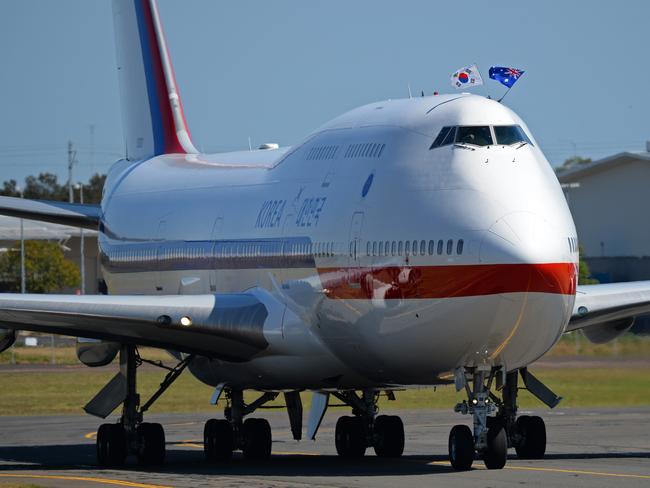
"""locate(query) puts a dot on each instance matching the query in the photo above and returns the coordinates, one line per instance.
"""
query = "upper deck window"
(510, 134)
(475, 135)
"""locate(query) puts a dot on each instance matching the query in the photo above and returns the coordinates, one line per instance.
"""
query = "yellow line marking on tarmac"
(91, 435)
(196, 445)
(105, 481)
(559, 470)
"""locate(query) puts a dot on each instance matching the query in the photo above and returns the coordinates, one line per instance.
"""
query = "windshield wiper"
(462, 145)
(521, 144)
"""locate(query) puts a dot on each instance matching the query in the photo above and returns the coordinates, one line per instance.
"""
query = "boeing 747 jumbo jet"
(423, 241)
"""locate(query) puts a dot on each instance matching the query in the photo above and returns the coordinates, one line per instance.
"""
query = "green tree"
(46, 268)
(584, 274)
(46, 186)
(571, 162)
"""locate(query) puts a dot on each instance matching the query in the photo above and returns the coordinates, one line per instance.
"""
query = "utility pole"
(82, 260)
(72, 154)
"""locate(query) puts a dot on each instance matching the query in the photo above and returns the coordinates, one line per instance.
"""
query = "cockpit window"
(510, 134)
(476, 135)
(441, 137)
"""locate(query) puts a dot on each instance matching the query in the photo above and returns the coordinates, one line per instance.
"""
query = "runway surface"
(592, 447)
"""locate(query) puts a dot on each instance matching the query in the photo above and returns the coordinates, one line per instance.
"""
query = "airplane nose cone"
(523, 238)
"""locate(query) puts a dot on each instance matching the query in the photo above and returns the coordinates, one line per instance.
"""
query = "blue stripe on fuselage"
(150, 76)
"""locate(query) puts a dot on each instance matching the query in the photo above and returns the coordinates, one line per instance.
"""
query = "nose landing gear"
(496, 426)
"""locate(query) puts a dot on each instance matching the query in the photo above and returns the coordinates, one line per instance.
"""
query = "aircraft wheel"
(111, 445)
(218, 442)
(497, 449)
(389, 436)
(461, 447)
(350, 437)
(533, 437)
(257, 439)
(151, 439)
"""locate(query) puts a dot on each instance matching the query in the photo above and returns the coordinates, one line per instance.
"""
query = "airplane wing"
(225, 326)
(73, 214)
(606, 311)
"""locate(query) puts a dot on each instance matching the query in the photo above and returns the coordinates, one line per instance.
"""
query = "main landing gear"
(354, 434)
(252, 436)
(496, 426)
(130, 435)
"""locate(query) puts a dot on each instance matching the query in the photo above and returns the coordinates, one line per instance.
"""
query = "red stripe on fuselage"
(448, 281)
(171, 143)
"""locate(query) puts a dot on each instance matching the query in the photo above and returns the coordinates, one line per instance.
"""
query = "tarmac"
(586, 447)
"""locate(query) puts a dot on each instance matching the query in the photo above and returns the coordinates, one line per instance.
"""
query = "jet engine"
(7, 338)
(608, 331)
(93, 352)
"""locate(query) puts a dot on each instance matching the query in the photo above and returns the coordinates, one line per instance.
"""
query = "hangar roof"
(581, 170)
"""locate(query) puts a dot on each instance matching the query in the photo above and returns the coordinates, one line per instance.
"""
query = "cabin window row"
(322, 153)
(415, 247)
(366, 150)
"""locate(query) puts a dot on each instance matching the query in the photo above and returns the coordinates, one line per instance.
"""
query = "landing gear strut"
(496, 426)
(353, 435)
(527, 434)
(252, 436)
(131, 435)
(489, 438)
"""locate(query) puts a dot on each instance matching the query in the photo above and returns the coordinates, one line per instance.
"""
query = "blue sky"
(275, 70)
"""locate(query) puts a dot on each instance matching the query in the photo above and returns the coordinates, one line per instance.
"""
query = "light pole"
(82, 260)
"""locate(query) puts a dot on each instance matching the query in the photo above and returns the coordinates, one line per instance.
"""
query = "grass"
(65, 355)
(573, 344)
(62, 392)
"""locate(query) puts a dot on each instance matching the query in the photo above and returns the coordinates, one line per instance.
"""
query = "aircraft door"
(354, 250)
(354, 241)
(213, 258)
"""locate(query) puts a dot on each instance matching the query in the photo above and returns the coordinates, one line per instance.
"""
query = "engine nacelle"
(7, 338)
(93, 352)
(608, 331)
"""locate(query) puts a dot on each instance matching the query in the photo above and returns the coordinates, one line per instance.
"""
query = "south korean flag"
(466, 77)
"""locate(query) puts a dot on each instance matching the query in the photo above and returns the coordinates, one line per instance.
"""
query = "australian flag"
(505, 76)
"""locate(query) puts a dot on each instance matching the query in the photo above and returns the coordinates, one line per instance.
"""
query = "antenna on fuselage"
(250, 144)
(409, 87)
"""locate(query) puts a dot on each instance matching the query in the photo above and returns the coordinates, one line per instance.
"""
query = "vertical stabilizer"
(152, 113)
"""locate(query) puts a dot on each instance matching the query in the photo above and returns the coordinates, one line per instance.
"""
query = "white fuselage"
(323, 227)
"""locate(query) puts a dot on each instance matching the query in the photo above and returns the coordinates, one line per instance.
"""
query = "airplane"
(420, 241)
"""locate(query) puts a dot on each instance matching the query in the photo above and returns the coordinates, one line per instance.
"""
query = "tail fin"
(152, 113)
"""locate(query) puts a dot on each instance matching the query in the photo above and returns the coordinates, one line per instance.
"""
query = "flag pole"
(504, 95)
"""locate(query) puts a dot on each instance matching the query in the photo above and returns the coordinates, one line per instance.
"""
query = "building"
(608, 202)
(68, 237)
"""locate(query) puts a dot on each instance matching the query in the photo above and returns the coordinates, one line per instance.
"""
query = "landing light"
(186, 321)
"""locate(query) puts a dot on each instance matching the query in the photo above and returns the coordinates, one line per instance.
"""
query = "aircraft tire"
(257, 439)
(389, 436)
(218, 441)
(151, 439)
(496, 454)
(111, 445)
(461, 447)
(533, 437)
(350, 437)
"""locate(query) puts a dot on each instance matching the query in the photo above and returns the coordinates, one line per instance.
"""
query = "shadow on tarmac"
(183, 461)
